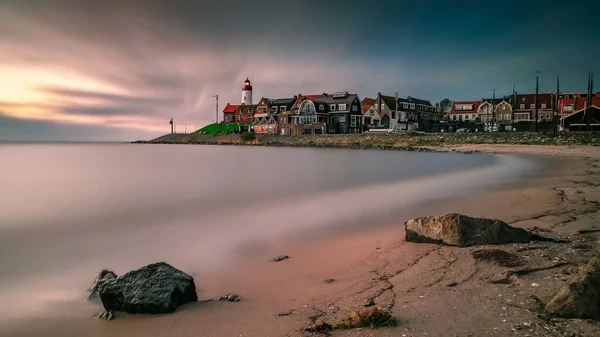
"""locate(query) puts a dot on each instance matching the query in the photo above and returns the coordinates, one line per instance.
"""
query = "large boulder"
(154, 289)
(580, 297)
(461, 230)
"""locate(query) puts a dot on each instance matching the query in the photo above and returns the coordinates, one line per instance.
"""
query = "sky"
(120, 69)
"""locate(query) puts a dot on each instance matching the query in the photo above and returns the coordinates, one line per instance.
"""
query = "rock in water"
(461, 230)
(580, 297)
(102, 277)
(154, 289)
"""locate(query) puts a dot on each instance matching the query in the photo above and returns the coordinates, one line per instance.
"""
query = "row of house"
(504, 112)
(344, 112)
(340, 112)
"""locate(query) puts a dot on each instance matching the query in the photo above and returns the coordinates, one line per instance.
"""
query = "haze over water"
(69, 210)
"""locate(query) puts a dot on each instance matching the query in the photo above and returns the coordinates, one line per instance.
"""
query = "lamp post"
(217, 114)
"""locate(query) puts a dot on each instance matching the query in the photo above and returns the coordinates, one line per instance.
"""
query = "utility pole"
(556, 111)
(514, 103)
(185, 128)
(588, 110)
(493, 108)
(537, 92)
(171, 123)
(217, 114)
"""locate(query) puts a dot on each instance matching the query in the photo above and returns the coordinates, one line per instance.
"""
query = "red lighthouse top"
(247, 85)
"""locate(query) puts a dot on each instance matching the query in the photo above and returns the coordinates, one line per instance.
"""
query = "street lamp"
(217, 114)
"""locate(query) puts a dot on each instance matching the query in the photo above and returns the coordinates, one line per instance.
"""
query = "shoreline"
(408, 279)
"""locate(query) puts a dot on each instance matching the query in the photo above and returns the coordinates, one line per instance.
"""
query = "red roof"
(367, 104)
(474, 106)
(529, 99)
(231, 108)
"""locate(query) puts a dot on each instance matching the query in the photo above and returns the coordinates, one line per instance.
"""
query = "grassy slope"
(212, 129)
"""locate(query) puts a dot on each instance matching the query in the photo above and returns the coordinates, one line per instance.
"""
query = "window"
(405, 105)
(466, 116)
(341, 107)
(412, 106)
(503, 107)
(274, 109)
(353, 121)
(342, 119)
(531, 106)
(282, 108)
(244, 98)
(332, 107)
(382, 106)
(354, 107)
(522, 106)
(543, 105)
(321, 107)
(307, 107)
(523, 99)
(568, 108)
(473, 116)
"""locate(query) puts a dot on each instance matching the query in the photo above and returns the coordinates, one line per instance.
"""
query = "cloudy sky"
(119, 69)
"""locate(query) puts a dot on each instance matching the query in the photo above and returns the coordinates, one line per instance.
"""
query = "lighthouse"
(247, 93)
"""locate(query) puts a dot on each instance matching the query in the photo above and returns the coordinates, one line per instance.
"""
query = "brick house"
(525, 107)
(229, 112)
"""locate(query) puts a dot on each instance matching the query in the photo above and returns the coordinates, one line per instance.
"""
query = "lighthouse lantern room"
(247, 93)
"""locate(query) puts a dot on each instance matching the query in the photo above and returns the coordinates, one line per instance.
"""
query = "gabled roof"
(230, 108)
(474, 106)
(418, 101)
(367, 103)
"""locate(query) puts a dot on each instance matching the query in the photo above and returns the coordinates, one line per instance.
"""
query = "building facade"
(268, 112)
(525, 107)
(464, 111)
(229, 113)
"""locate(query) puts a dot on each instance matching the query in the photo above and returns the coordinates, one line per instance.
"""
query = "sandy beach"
(432, 290)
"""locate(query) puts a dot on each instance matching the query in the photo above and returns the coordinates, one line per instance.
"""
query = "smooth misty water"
(69, 210)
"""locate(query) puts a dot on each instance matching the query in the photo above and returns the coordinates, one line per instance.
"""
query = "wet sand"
(410, 280)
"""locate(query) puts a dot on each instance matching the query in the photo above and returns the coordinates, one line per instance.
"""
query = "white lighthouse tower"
(247, 93)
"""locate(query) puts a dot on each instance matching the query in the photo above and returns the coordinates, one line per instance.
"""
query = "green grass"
(213, 129)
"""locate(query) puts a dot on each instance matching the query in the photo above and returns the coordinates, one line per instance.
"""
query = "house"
(268, 111)
(577, 121)
(569, 103)
(524, 107)
(325, 113)
(229, 112)
(244, 113)
(371, 119)
(415, 113)
(385, 107)
(405, 114)
(496, 113)
(464, 111)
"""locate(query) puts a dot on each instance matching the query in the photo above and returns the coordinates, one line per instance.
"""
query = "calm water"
(69, 210)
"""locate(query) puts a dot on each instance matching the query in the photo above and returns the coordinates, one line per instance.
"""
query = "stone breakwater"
(410, 141)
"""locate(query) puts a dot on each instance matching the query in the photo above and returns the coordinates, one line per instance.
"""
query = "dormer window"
(321, 107)
(332, 107)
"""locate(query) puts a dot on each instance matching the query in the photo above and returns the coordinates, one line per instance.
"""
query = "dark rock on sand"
(580, 297)
(461, 230)
(230, 298)
(106, 315)
(329, 280)
(154, 289)
(280, 258)
(102, 277)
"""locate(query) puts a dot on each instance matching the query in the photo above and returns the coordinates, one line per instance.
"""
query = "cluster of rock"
(395, 140)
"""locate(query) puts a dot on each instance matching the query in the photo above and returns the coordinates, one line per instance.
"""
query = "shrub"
(248, 136)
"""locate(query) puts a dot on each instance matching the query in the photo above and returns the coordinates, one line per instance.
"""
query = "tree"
(446, 105)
